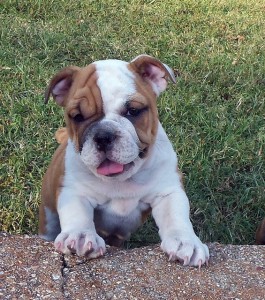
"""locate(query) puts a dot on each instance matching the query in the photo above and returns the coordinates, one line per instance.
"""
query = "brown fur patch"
(61, 135)
(81, 99)
(84, 99)
(146, 125)
(51, 186)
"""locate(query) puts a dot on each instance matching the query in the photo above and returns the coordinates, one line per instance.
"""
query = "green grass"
(214, 116)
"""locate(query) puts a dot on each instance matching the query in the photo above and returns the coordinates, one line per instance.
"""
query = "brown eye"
(78, 118)
(134, 112)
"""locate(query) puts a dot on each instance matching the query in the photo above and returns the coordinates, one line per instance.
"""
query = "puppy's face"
(110, 112)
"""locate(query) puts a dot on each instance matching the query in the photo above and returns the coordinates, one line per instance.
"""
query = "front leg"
(171, 213)
(78, 234)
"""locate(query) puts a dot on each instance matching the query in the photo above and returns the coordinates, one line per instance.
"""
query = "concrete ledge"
(31, 269)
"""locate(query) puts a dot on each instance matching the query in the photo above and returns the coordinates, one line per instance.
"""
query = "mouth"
(112, 168)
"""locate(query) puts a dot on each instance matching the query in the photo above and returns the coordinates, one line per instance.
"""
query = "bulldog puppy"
(116, 165)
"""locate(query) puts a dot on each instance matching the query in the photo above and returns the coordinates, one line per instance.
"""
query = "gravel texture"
(31, 269)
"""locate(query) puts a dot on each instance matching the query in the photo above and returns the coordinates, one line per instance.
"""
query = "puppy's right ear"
(60, 85)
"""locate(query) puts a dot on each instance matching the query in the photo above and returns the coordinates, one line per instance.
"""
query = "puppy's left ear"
(154, 71)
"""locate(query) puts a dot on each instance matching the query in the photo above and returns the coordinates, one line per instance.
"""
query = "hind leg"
(49, 224)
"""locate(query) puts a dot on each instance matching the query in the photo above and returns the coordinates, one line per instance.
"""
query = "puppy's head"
(110, 111)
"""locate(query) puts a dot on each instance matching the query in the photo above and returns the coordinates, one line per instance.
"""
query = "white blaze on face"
(116, 83)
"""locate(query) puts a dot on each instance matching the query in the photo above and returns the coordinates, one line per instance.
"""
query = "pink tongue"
(109, 167)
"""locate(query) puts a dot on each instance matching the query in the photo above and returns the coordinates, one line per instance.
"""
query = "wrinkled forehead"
(116, 83)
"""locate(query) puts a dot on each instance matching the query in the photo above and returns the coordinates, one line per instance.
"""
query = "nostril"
(104, 140)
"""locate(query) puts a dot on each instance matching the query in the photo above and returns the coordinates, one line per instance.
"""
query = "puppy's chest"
(116, 220)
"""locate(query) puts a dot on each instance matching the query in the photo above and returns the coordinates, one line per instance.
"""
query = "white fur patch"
(116, 83)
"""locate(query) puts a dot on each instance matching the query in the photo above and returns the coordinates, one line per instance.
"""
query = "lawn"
(214, 116)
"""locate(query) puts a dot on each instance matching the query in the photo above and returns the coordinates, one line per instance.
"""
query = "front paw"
(189, 250)
(83, 243)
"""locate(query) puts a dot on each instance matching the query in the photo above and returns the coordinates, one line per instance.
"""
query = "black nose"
(104, 140)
